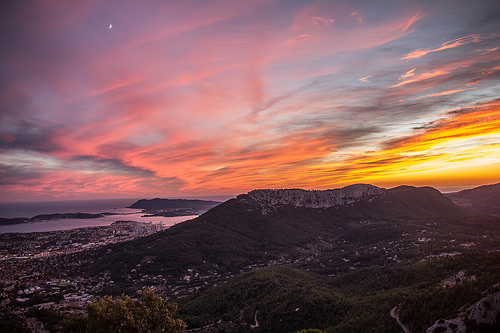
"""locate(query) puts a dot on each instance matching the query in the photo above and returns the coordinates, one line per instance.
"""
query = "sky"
(110, 99)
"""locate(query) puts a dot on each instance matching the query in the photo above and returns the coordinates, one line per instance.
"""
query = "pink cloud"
(408, 74)
(447, 45)
(218, 100)
(443, 93)
(411, 77)
(357, 17)
(320, 21)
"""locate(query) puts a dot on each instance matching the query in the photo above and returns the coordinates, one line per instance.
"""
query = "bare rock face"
(269, 200)
(486, 312)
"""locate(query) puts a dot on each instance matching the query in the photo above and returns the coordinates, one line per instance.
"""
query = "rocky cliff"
(269, 200)
(483, 316)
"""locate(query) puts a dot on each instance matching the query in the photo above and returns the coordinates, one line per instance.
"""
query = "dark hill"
(158, 204)
(284, 299)
(279, 298)
(256, 228)
(483, 199)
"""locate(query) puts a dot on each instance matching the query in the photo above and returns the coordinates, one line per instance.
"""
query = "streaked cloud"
(444, 46)
(442, 93)
(209, 98)
(357, 17)
(408, 74)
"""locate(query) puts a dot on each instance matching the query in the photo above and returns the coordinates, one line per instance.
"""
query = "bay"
(33, 208)
(67, 224)
(115, 206)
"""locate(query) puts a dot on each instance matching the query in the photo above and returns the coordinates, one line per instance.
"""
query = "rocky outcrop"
(485, 314)
(269, 200)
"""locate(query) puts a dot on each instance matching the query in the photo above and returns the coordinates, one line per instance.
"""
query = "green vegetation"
(13, 325)
(285, 299)
(149, 314)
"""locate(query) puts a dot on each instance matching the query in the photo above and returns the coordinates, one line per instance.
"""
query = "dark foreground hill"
(483, 199)
(284, 299)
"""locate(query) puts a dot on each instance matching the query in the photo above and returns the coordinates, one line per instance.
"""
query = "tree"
(150, 314)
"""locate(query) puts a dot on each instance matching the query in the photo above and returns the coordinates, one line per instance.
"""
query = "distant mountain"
(56, 216)
(173, 207)
(483, 199)
(158, 204)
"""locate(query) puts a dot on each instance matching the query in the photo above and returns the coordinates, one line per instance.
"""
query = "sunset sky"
(109, 99)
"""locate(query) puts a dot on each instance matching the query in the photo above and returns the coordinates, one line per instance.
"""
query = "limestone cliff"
(484, 314)
(269, 200)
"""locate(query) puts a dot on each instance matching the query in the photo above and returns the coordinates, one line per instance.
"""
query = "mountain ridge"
(483, 199)
(269, 198)
(357, 201)
(241, 231)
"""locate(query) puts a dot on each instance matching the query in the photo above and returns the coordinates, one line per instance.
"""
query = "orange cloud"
(446, 143)
(212, 99)
(419, 53)
(408, 74)
(453, 143)
(411, 77)
(467, 138)
(443, 93)
(421, 77)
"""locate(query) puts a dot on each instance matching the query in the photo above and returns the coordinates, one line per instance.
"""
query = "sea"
(115, 206)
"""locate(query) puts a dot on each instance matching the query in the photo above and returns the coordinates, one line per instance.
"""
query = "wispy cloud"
(320, 21)
(420, 77)
(193, 98)
(443, 93)
(357, 17)
(419, 53)
(408, 74)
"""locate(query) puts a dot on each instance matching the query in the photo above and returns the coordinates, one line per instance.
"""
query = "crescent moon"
(110, 26)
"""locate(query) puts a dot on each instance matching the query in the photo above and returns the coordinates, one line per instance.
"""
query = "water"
(116, 206)
(30, 209)
(66, 224)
